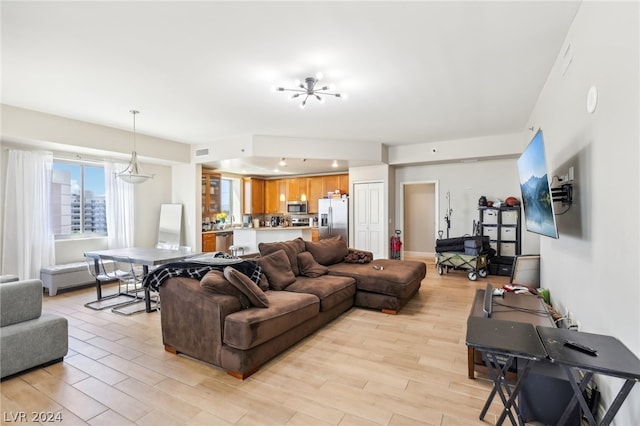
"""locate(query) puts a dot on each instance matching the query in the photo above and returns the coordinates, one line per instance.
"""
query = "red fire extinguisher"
(396, 245)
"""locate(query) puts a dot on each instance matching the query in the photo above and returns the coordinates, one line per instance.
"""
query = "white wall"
(466, 182)
(149, 196)
(26, 129)
(55, 133)
(187, 184)
(592, 269)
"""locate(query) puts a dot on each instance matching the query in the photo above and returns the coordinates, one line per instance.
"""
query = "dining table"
(144, 256)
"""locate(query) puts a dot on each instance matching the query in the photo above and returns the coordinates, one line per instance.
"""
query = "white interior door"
(368, 202)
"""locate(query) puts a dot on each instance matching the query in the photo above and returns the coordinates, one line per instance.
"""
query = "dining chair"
(105, 272)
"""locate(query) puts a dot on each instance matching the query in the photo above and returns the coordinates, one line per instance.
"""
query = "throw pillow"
(309, 267)
(291, 248)
(264, 282)
(358, 257)
(215, 282)
(247, 287)
(328, 251)
(277, 268)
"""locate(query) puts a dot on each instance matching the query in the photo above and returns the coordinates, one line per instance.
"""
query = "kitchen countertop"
(219, 231)
(276, 228)
(262, 228)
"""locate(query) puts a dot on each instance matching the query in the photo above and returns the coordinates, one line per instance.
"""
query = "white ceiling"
(201, 71)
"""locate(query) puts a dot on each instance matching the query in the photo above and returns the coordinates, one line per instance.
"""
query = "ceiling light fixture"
(133, 173)
(282, 163)
(334, 164)
(311, 88)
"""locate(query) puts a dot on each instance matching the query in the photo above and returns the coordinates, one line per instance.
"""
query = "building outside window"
(230, 199)
(78, 199)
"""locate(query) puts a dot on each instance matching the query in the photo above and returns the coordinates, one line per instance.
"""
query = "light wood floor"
(365, 368)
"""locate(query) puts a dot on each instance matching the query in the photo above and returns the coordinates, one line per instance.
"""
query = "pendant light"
(133, 173)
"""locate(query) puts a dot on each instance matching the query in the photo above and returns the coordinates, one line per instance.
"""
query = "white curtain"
(27, 241)
(120, 207)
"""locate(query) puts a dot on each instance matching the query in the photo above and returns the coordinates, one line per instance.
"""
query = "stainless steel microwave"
(297, 207)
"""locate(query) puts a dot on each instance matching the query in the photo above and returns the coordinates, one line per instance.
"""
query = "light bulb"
(334, 164)
(282, 163)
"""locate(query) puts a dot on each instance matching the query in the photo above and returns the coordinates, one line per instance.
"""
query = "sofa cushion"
(396, 277)
(331, 290)
(247, 287)
(277, 268)
(20, 301)
(309, 267)
(328, 251)
(291, 248)
(250, 327)
(215, 282)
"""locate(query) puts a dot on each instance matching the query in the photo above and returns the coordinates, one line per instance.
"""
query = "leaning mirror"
(170, 227)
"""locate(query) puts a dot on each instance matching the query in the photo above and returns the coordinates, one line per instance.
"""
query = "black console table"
(530, 343)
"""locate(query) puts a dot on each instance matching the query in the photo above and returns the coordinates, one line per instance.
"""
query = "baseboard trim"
(419, 254)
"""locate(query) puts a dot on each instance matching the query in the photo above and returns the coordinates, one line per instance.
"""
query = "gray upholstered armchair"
(28, 337)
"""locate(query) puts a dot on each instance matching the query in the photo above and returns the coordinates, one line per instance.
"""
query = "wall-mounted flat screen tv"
(535, 186)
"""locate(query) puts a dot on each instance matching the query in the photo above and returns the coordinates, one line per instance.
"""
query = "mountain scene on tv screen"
(538, 209)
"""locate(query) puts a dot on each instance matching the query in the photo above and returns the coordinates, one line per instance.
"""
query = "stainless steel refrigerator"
(333, 218)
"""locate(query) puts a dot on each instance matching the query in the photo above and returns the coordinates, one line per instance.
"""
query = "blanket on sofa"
(198, 270)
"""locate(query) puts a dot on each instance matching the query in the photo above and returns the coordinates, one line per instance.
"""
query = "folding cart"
(476, 265)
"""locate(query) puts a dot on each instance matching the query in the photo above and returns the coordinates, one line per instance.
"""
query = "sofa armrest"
(20, 301)
(193, 317)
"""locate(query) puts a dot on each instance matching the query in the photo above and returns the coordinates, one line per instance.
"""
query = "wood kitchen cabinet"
(296, 188)
(315, 192)
(211, 182)
(254, 192)
(344, 184)
(273, 189)
(209, 242)
(333, 182)
(278, 191)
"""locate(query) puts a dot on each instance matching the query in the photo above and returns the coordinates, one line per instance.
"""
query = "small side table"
(507, 340)
(613, 359)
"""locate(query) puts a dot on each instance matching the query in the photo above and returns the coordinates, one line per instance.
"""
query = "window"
(77, 199)
(230, 199)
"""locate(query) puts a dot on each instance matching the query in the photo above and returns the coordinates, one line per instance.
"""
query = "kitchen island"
(249, 238)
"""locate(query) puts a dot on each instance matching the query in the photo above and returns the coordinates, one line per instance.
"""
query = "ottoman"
(383, 284)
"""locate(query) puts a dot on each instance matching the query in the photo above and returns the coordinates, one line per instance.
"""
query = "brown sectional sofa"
(215, 325)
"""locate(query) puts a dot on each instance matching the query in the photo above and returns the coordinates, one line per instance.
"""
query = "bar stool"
(236, 250)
